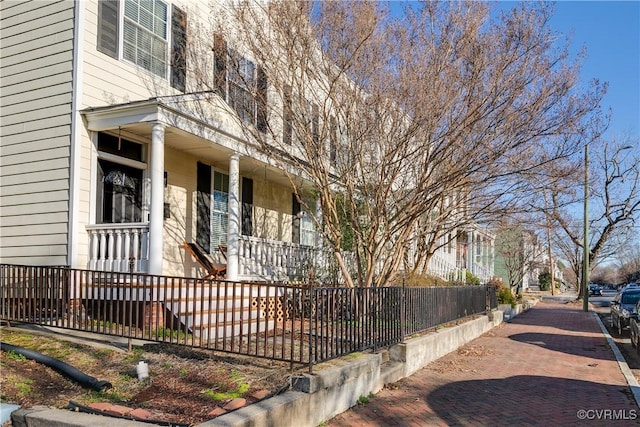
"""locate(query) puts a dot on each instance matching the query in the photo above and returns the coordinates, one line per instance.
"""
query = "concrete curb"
(622, 363)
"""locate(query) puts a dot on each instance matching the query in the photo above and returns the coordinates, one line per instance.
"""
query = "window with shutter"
(241, 83)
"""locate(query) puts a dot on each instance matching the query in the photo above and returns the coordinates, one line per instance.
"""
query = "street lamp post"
(585, 244)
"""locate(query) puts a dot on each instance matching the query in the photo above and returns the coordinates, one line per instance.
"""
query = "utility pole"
(585, 244)
(549, 254)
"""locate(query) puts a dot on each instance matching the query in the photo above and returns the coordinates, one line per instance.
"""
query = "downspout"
(73, 220)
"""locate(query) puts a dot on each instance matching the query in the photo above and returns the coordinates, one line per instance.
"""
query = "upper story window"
(143, 32)
(241, 83)
(145, 35)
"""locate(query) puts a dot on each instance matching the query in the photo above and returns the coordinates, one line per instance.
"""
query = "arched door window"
(119, 193)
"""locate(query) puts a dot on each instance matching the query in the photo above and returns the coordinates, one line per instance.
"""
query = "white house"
(108, 161)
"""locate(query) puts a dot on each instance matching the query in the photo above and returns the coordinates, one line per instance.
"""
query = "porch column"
(470, 251)
(319, 259)
(156, 205)
(233, 228)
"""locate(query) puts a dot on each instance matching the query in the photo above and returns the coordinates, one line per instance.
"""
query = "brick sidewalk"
(542, 368)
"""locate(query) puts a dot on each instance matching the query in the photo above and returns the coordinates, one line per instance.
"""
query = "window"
(303, 230)
(241, 83)
(144, 36)
(219, 209)
(307, 230)
(119, 195)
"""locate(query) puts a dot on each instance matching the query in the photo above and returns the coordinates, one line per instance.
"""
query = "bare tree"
(628, 262)
(614, 201)
(404, 129)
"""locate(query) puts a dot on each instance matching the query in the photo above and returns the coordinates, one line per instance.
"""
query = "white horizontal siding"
(36, 67)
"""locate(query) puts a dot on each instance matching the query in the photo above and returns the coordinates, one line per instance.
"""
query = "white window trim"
(167, 74)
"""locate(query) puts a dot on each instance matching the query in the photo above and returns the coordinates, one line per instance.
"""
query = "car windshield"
(630, 298)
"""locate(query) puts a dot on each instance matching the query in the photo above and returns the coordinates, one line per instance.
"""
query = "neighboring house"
(521, 258)
(110, 163)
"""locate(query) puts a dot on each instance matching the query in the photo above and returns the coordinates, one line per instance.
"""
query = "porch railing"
(300, 325)
(122, 247)
(276, 260)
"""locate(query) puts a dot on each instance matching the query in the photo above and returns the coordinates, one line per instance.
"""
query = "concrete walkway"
(549, 366)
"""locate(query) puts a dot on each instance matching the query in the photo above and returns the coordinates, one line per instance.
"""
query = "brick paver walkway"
(550, 366)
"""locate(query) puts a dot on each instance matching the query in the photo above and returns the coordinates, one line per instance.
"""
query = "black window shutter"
(203, 206)
(220, 64)
(247, 206)
(178, 49)
(287, 128)
(295, 227)
(333, 141)
(261, 101)
(315, 126)
(108, 27)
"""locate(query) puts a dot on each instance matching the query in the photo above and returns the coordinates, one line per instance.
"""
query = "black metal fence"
(300, 325)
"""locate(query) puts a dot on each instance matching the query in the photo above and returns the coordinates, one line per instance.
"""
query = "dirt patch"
(184, 384)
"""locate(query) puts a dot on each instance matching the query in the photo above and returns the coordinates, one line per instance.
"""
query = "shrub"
(544, 281)
(472, 279)
(505, 296)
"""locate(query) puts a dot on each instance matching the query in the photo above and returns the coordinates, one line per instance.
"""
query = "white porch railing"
(441, 267)
(274, 260)
(119, 247)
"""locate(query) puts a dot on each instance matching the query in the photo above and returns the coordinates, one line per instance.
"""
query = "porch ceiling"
(202, 140)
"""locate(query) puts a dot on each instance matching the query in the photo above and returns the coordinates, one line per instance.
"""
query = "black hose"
(63, 368)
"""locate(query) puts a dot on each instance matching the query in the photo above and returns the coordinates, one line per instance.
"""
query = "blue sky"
(609, 31)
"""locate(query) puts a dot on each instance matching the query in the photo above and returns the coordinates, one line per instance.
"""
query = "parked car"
(634, 328)
(595, 290)
(623, 307)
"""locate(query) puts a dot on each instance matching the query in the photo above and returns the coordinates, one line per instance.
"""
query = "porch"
(124, 248)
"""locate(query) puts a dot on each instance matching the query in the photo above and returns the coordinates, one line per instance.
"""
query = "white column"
(156, 205)
(319, 261)
(233, 228)
(470, 251)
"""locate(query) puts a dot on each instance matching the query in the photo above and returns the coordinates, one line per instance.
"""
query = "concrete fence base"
(340, 384)
(335, 387)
